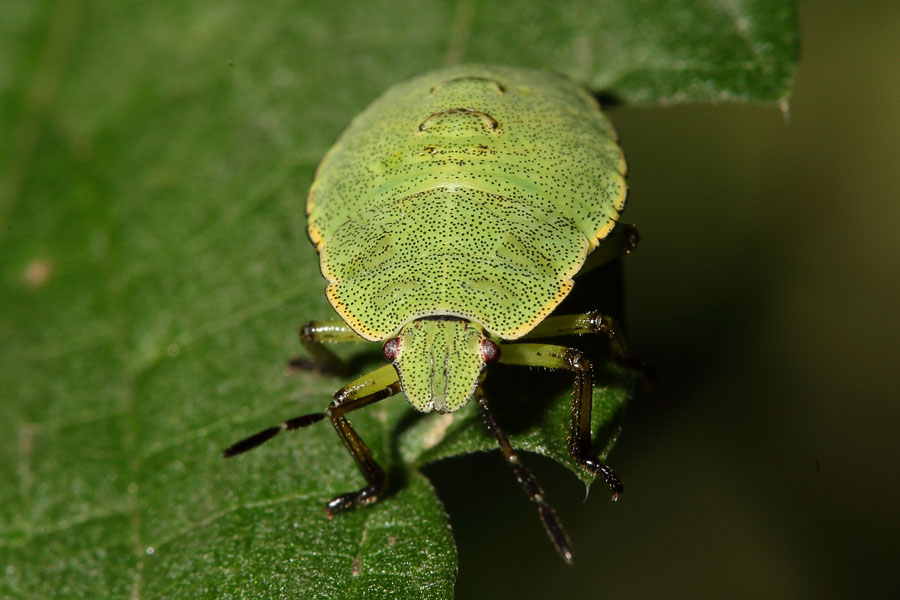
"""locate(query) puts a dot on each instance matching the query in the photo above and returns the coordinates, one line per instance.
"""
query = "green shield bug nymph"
(450, 219)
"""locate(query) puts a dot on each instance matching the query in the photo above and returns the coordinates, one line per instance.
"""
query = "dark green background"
(766, 292)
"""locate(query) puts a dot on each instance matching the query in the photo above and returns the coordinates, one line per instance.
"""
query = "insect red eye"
(390, 348)
(490, 351)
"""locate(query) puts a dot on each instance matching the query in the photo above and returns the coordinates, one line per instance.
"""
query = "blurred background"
(765, 292)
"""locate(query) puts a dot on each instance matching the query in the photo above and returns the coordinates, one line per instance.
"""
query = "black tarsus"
(375, 477)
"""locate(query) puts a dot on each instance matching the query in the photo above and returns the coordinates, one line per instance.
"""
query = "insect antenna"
(554, 528)
(265, 435)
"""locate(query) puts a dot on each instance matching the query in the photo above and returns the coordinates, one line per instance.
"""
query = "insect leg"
(529, 484)
(593, 322)
(366, 390)
(312, 336)
(551, 356)
(581, 323)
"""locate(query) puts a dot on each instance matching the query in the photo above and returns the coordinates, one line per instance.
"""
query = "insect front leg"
(313, 335)
(368, 389)
(551, 356)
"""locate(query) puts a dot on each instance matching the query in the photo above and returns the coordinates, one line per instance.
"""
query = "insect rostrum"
(450, 219)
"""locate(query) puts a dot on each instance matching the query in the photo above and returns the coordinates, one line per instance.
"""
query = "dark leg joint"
(605, 324)
(349, 393)
(601, 323)
(306, 334)
(601, 470)
(577, 362)
(364, 496)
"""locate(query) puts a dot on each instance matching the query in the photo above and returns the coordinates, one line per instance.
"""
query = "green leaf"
(535, 417)
(154, 159)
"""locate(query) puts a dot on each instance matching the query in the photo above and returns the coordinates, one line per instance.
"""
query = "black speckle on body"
(475, 191)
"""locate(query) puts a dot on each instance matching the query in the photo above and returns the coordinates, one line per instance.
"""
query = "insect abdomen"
(473, 191)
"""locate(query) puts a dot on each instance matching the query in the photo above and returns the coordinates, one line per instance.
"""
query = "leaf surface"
(154, 159)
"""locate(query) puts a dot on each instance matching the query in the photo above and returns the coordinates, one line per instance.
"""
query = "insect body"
(450, 219)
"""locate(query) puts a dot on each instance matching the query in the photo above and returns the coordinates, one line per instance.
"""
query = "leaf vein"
(209, 520)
